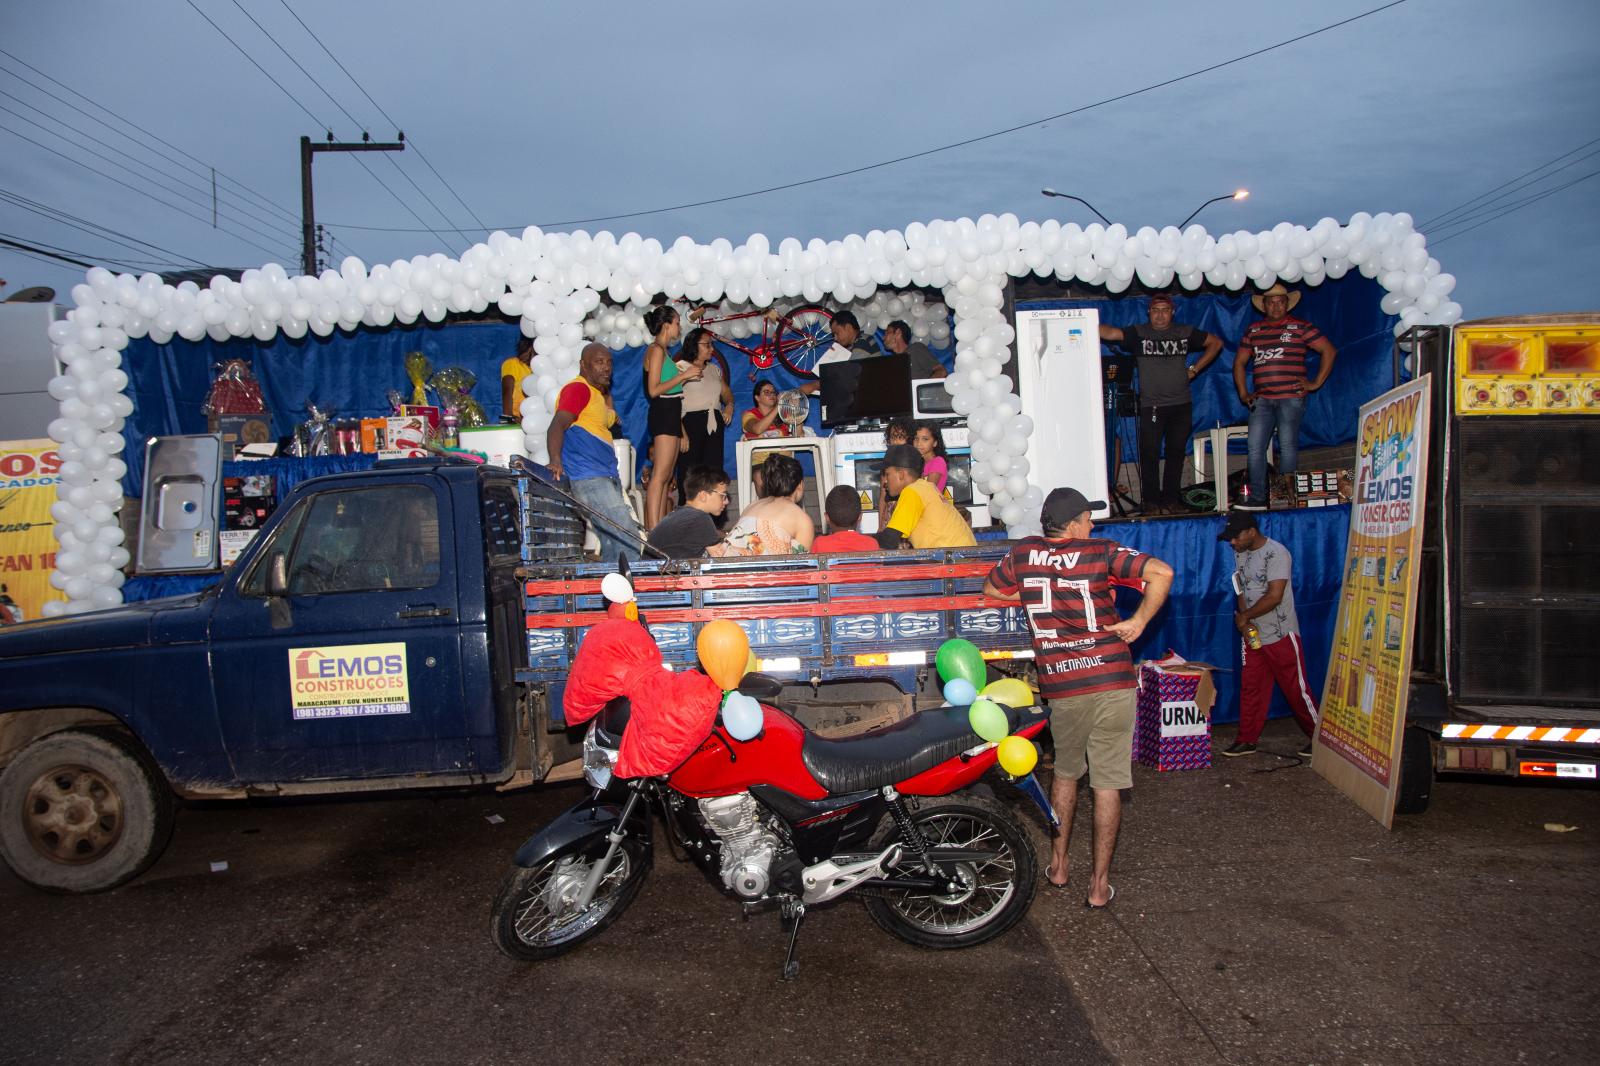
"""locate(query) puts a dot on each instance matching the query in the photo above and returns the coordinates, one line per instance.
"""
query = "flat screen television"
(859, 389)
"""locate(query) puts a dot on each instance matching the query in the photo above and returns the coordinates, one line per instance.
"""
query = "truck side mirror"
(278, 575)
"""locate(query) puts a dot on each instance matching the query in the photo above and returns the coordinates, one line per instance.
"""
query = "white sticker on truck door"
(348, 681)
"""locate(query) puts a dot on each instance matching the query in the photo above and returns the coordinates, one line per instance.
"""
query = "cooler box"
(1172, 730)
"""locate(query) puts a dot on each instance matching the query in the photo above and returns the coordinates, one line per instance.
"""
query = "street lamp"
(1081, 200)
(1237, 194)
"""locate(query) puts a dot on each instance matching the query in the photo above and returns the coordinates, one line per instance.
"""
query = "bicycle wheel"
(804, 335)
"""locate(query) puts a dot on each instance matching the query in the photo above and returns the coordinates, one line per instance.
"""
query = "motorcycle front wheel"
(534, 915)
(996, 888)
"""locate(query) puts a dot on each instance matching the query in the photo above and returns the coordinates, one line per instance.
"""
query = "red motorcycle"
(794, 819)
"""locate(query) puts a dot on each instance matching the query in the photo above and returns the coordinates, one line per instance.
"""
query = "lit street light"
(1237, 194)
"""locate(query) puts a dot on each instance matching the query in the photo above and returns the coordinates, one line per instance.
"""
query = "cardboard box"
(1172, 730)
(499, 443)
(374, 435)
(239, 430)
(426, 411)
(405, 437)
(231, 542)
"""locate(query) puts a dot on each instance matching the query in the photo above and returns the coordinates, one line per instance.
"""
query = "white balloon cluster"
(554, 282)
(998, 431)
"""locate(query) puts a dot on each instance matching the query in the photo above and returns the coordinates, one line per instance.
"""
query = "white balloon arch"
(556, 281)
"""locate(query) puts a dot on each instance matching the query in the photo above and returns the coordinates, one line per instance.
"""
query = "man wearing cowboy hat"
(1275, 349)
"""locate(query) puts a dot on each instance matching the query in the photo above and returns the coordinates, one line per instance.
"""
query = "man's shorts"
(1095, 732)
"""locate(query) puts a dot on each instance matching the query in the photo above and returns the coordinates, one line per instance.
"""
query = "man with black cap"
(1264, 599)
(1064, 581)
(922, 516)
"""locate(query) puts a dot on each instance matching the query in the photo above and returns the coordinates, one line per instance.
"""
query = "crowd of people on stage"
(691, 407)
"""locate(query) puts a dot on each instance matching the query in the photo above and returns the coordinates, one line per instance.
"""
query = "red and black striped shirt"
(1277, 352)
(1066, 588)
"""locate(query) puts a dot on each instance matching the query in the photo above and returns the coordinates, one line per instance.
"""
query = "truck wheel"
(82, 812)
(1416, 772)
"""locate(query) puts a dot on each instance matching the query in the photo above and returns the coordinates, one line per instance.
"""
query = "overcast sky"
(537, 112)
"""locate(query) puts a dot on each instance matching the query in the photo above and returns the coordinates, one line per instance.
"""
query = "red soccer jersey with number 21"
(1067, 592)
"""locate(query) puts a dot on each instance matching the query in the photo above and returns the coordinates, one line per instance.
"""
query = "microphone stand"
(1121, 503)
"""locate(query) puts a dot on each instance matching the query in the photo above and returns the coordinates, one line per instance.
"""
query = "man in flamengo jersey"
(1275, 349)
(1064, 582)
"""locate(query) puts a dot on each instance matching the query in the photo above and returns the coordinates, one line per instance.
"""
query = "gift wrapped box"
(1172, 730)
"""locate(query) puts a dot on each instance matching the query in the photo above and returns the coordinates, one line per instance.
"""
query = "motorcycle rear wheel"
(532, 915)
(999, 889)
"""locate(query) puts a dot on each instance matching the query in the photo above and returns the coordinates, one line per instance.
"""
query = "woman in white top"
(775, 524)
(707, 404)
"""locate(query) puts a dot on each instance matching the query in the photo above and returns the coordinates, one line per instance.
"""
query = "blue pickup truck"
(407, 627)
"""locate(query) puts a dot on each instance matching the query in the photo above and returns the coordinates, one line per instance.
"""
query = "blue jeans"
(1284, 416)
(604, 496)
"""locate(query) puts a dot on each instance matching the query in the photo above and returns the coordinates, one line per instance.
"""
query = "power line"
(266, 73)
(385, 114)
(353, 121)
(179, 191)
(296, 100)
(203, 191)
(47, 248)
(37, 253)
(946, 147)
(129, 122)
(135, 188)
(1441, 218)
(1519, 205)
(1498, 201)
(92, 228)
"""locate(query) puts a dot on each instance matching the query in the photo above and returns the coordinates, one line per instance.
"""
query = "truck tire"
(1416, 772)
(82, 811)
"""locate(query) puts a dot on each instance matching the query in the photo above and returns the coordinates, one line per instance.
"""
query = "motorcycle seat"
(889, 755)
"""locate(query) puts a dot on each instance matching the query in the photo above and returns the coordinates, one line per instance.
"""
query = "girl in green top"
(663, 384)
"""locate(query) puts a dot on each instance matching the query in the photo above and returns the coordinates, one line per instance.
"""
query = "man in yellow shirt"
(922, 516)
(512, 373)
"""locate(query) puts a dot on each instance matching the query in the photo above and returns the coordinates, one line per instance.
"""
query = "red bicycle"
(797, 338)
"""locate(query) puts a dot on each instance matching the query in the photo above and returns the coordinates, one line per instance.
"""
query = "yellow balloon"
(750, 664)
(1009, 691)
(724, 650)
(1018, 756)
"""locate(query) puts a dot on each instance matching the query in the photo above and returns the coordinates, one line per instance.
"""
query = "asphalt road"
(1260, 917)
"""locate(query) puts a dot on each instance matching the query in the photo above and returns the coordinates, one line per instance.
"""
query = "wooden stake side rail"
(852, 574)
(827, 609)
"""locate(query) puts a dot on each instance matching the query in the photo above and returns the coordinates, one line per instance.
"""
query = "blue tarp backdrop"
(351, 375)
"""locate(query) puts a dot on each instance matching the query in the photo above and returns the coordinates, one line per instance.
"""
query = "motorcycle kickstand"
(792, 915)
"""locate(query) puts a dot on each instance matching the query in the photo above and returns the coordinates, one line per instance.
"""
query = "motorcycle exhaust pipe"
(828, 879)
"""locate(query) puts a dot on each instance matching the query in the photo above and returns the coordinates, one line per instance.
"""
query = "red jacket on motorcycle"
(672, 712)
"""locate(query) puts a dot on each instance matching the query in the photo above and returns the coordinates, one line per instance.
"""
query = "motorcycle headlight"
(598, 760)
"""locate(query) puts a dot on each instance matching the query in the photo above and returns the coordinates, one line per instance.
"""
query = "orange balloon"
(724, 650)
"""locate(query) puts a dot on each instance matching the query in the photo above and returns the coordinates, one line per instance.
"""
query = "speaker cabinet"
(1525, 492)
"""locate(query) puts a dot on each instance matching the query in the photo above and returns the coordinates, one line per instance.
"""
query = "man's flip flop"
(1051, 883)
(1102, 906)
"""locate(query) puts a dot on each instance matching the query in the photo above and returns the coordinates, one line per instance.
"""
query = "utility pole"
(308, 220)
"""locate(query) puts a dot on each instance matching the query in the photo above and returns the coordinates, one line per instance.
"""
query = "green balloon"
(961, 658)
(988, 720)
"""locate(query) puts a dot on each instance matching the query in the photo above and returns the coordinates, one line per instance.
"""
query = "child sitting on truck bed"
(843, 508)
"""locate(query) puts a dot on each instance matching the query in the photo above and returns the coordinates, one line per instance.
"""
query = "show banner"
(29, 471)
(1369, 671)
